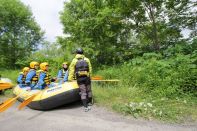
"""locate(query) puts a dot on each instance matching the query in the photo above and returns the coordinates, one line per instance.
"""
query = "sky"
(46, 13)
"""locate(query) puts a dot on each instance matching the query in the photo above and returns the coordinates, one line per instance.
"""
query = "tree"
(113, 31)
(51, 53)
(95, 26)
(158, 23)
(19, 33)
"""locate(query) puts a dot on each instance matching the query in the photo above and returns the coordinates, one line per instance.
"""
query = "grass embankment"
(152, 87)
(12, 75)
(135, 102)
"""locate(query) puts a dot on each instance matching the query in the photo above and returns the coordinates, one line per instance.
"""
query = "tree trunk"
(151, 13)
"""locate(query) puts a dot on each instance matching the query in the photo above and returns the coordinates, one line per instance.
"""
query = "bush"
(158, 75)
(152, 86)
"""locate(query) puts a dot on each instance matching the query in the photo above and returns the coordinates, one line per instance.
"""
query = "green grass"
(152, 87)
(11, 74)
(132, 101)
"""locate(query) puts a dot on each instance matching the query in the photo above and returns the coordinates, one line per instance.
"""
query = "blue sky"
(46, 13)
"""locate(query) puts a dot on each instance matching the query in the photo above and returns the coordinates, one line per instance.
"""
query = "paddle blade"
(5, 102)
(97, 78)
(27, 101)
(8, 103)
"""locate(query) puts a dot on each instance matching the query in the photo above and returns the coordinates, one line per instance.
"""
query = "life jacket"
(47, 79)
(24, 76)
(81, 68)
(63, 73)
(35, 78)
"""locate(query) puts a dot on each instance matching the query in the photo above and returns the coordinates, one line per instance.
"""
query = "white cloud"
(46, 13)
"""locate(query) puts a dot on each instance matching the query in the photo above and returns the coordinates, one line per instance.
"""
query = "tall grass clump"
(152, 86)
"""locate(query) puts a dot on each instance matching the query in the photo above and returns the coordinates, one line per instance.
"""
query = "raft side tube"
(55, 101)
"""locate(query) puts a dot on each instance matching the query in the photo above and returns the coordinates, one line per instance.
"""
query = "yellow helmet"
(25, 69)
(33, 64)
(65, 63)
(43, 65)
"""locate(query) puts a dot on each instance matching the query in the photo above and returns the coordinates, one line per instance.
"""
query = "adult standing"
(81, 69)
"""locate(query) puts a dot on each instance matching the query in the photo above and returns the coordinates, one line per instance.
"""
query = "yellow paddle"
(8, 103)
(27, 101)
(100, 78)
(5, 101)
(97, 78)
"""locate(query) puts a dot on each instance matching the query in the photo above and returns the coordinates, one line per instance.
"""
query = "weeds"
(152, 87)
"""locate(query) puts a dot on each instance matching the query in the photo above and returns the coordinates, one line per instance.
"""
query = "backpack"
(81, 68)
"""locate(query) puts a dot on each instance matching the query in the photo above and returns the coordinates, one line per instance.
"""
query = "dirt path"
(72, 118)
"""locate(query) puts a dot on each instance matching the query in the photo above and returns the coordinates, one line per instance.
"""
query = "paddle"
(97, 78)
(28, 100)
(5, 101)
(8, 103)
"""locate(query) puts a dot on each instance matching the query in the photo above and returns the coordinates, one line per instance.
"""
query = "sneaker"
(89, 108)
(90, 104)
(86, 109)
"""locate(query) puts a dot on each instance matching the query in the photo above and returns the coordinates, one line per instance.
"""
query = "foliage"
(167, 77)
(148, 99)
(98, 26)
(116, 31)
(155, 85)
(132, 100)
(51, 53)
(11, 74)
(19, 33)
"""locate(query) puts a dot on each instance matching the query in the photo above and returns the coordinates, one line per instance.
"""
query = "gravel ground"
(73, 118)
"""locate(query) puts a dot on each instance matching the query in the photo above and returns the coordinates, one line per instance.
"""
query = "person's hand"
(28, 83)
(53, 79)
(70, 80)
(28, 88)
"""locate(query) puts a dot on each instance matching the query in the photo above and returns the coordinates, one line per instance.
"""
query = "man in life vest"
(32, 76)
(44, 78)
(63, 73)
(22, 76)
(81, 69)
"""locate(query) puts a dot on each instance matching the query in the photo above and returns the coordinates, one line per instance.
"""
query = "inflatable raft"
(5, 83)
(50, 98)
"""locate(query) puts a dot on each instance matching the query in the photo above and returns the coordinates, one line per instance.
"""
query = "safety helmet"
(65, 63)
(25, 69)
(33, 64)
(43, 65)
(79, 51)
